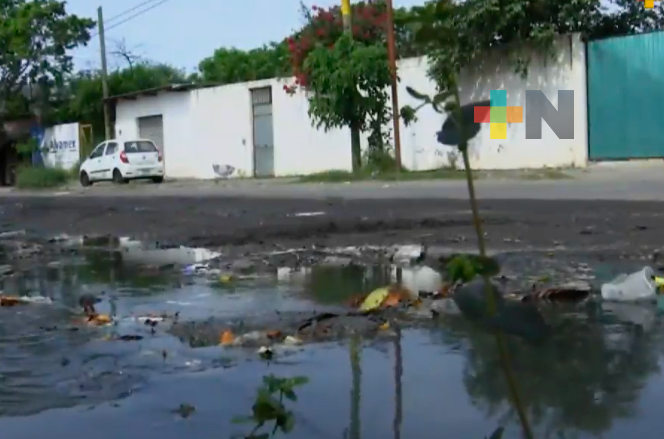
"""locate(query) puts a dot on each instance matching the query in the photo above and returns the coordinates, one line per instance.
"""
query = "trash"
(130, 337)
(292, 341)
(226, 338)
(11, 301)
(564, 293)
(184, 410)
(385, 326)
(636, 286)
(226, 278)
(407, 254)
(375, 299)
(273, 334)
(196, 269)
(266, 352)
(387, 297)
(98, 319)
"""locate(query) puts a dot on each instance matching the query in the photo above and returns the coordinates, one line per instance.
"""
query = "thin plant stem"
(491, 300)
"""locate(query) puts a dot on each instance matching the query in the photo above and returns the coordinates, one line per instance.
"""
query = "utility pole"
(104, 73)
(345, 15)
(392, 59)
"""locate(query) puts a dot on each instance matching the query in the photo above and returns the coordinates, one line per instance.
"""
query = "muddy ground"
(254, 224)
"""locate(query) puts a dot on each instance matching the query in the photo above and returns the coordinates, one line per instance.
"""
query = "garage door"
(152, 128)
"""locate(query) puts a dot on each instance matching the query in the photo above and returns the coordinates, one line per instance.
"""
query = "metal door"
(261, 103)
(152, 128)
(625, 95)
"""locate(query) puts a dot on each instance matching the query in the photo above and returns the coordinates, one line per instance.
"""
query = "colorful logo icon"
(498, 115)
(649, 4)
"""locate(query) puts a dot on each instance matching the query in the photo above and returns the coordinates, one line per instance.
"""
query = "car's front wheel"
(118, 178)
(84, 179)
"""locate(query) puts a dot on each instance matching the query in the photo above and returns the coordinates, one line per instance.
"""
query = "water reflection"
(586, 380)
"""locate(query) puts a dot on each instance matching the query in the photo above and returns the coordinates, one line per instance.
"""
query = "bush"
(41, 178)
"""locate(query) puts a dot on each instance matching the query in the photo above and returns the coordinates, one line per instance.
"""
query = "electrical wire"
(131, 17)
(128, 11)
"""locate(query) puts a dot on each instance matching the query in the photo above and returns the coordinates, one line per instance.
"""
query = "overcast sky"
(182, 32)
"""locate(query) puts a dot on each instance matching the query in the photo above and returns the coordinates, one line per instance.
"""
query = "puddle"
(599, 374)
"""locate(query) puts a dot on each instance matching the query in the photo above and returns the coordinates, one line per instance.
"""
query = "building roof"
(154, 91)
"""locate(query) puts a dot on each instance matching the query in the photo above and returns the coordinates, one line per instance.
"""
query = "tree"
(455, 34)
(81, 98)
(34, 39)
(347, 76)
(229, 66)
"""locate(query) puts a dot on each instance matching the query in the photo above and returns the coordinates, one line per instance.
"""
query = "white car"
(123, 160)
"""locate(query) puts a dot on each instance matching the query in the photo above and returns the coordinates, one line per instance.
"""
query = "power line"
(131, 17)
(128, 11)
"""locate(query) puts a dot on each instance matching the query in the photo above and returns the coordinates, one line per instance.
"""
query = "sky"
(183, 32)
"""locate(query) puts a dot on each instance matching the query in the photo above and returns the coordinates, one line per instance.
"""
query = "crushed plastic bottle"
(631, 287)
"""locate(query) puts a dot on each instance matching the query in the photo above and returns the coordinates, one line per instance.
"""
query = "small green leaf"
(299, 380)
(289, 423)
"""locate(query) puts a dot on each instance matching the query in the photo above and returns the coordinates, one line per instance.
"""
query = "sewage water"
(598, 376)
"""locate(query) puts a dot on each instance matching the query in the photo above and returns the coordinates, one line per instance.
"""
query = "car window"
(111, 148)
(99, 150)
(138, 146)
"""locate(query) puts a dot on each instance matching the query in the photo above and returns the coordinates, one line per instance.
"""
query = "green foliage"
(456, 34)
(227, 66)
(34, 39)
(464, 268)
(29, 177)
(25, 149)
(348, 84)
(82, 94)
(269, 406)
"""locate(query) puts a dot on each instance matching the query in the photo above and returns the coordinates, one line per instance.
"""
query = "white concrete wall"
(214, 125)
(566, 70)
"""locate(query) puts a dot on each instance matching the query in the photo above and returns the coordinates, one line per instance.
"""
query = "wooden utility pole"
(392, 59)
(104, 74)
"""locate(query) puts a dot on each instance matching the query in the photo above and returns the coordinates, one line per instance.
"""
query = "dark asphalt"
(222, 221)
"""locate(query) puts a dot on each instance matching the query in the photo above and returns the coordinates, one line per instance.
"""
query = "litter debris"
(266, 352)
(387, 297)
(196, 269)
(565, 293)
(11, 301)
(636, 286)
(99, 319)
(227, 338)
(309, 214)
(292, 341)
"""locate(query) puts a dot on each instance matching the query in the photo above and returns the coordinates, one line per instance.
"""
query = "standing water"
(598, 374)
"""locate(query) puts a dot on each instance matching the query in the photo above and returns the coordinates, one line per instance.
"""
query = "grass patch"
(29, 177)
(405, 175)
(438, 174)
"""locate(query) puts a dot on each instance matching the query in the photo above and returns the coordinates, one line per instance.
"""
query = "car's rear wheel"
(118, 178)
(157, 180)
(84, 179)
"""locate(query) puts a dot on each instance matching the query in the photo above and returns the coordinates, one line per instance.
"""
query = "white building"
(260, 130)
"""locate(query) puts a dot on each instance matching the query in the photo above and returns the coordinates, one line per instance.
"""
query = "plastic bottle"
(636, 286)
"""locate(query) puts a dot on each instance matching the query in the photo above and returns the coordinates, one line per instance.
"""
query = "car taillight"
(123, 157)
(161, 158)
